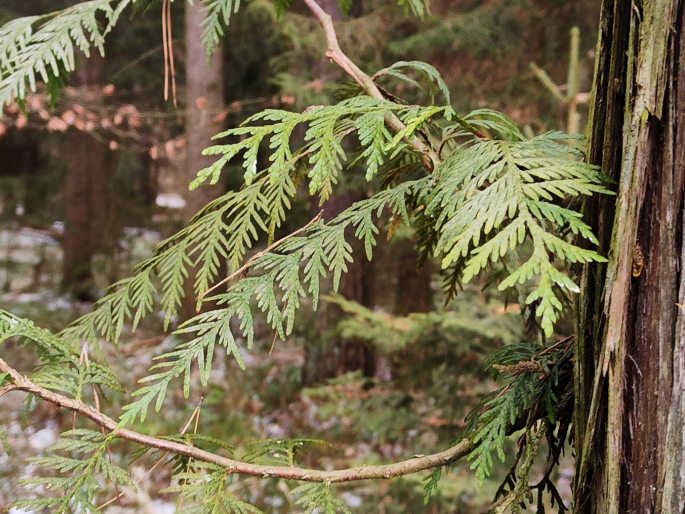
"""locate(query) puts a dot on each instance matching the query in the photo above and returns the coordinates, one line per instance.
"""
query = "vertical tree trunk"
(204, 101)
(85, 196)
(630, 344)
(330, 355)
(413, 283)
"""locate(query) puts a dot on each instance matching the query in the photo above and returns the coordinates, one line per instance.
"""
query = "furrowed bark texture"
(630, 345)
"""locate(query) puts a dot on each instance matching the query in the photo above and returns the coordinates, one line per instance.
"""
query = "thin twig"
(256, 256)
(196, 415)
(198, 411)
(166, 53)
(386, 471)
(430, 157)
(6, 389)
(170, 45)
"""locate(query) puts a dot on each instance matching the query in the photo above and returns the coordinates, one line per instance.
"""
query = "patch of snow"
(46, 298)
(29, 471)
(352, 500)
(149, 236)
(44, 438)
(59, 303)
(170, 201)
(248, 358)
(29, 237)
(275, 430)
(274, 501)
(161, 507)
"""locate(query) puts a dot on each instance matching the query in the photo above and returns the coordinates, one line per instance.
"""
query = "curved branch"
(430, 157)
(385, 471)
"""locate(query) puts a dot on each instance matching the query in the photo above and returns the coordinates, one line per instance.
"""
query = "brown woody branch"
(386, 471)
(430, 157)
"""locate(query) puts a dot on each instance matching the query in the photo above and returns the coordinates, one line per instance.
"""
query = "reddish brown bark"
(630, 358)
(85, 196)
(204, 100)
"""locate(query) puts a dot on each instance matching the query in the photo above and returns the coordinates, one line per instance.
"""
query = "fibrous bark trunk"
(630, 344)
(204, 102)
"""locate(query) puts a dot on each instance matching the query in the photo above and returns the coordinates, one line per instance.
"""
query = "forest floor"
(362, 421)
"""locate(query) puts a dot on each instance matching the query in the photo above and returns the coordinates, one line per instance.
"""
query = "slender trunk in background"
(85, 196)
(630, 344)
(332, 355)
(204, 101)
(412, 283)
(329, 355)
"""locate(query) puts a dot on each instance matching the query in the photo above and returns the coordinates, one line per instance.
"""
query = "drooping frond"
(284, 276)
(79, 461)
(326, 126)
(500, 414)
(62, 367)
(494, 197)
(399, 71)
(44, 47)
(228, 227)
(204, 489)
(374, 138)
(218, 15)
(12, 326)
(223, 231)
(430, 484)
(319, 498)
(488, 199)
(537, 379)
